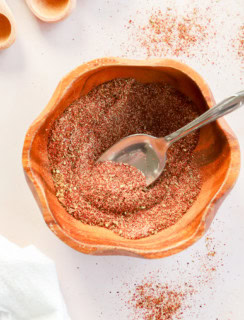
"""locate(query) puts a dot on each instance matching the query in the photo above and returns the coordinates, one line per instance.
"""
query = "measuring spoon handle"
(221, 109)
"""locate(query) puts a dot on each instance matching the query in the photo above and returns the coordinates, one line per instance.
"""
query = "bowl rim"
(107, 249)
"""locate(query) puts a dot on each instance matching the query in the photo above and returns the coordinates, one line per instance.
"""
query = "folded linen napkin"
(29, 288)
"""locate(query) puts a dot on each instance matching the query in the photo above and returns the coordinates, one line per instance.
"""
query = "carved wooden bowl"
(217, 153)
(51, 10)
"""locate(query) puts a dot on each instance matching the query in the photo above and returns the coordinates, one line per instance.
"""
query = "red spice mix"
(155, 301)
(190, 33)
(168, 33)
(160, 297)
(112, 195)
(240, 41)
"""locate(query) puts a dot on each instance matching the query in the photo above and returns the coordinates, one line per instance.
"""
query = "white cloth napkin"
(29, 288)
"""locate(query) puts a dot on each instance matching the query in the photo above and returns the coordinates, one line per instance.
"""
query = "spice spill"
(154, 301)
(169, 33)
(240, 43)
(180, 291)
(201, 34)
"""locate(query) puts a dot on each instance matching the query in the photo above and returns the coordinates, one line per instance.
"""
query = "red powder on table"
(112, 195)
(168, 33)
(240, 42)
(159, 296)
(155, 301)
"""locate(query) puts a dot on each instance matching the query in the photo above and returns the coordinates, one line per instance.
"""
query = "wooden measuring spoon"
(51, 10)
(7, 26)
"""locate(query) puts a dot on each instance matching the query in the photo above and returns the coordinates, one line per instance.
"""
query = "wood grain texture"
(217, 153)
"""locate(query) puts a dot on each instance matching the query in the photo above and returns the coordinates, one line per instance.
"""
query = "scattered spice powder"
(240, 42)
(154, 298)
(112, 195)
(154, 301)
(168, 33)
(195, 33)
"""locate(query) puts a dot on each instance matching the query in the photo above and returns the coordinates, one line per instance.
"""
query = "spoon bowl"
(7, 26)
(148, 154)
(145, 152)
(51, 10)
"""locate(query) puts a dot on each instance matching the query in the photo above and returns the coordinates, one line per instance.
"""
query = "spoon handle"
(224, 107)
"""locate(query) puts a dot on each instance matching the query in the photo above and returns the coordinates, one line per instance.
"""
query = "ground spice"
(110, 184)
(154, 301)
(111, 195)
(196, 33)
(168, 33)
(240, 44)
(159, 296)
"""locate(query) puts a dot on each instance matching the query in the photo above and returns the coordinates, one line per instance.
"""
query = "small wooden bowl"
(217, 153)
(51, 10)
(7, 26)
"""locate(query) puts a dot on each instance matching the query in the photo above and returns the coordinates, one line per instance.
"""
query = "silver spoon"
(148, 153)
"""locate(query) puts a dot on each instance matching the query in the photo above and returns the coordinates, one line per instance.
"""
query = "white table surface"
(29, 73)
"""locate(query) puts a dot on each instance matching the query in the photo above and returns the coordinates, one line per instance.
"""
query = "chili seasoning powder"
(156, 301)
(112, 195)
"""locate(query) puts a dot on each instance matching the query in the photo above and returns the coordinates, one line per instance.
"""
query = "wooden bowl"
(7, 26)
(217, 153)
(51, 10)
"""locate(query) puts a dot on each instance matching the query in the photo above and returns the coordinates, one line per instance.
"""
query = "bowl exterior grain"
(217, 154)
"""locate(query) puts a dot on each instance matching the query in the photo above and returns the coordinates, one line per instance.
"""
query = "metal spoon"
(148, 153)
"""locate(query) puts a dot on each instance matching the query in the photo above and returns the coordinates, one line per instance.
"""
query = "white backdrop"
(29, 73)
